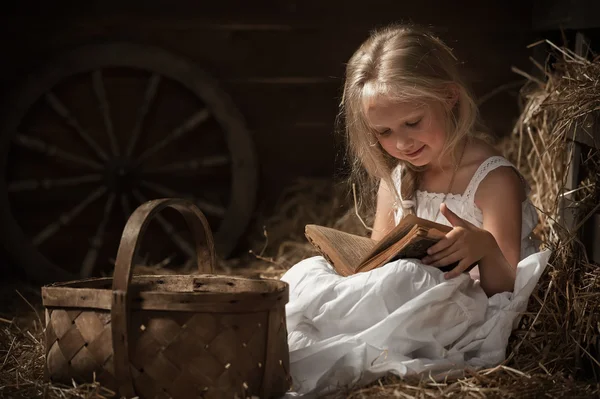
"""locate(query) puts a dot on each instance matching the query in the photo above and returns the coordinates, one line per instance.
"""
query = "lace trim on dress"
(425, 193)
(468, 196)
(487, 166)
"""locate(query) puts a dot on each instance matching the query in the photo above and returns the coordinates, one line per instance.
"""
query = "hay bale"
(560, 334)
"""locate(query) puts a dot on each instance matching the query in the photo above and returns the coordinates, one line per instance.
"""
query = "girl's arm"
(497, 246)
(384, 214)
(500, 196)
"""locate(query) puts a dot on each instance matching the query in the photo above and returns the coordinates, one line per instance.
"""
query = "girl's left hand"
(465, 243)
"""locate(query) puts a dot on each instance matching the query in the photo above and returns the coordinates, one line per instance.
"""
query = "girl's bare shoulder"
(478, 151)
(507, 178)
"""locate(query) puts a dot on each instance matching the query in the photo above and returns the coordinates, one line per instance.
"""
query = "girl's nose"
(404, 143)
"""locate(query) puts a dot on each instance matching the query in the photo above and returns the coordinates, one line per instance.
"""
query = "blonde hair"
(401, 63)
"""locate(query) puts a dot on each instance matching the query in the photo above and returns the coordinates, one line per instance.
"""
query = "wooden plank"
(588, 131)
(592, 236)
(238, 67)
(282, 107)
(509, 15)
(300, 151)
(567, 205)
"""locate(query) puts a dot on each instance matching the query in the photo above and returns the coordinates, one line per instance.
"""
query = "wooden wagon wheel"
(110, 126)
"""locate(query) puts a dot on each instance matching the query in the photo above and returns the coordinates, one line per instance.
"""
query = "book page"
(343, 250)
(412, 245)
(402, 229)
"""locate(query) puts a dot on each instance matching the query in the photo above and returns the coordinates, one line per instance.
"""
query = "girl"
(410, 125)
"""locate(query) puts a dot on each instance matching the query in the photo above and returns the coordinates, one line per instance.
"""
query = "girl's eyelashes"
(413, 124)
(387, 132)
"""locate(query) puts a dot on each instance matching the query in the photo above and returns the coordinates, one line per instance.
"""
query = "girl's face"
(407, 131)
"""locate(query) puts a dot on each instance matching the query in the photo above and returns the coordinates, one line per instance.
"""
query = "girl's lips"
(414, 154)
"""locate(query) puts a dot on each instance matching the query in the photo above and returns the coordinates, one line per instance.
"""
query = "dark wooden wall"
(282, 61)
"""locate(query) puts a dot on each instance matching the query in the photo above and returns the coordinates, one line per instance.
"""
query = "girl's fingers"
(457, 271)
(442, 244)
(448, 260)
(429, 259)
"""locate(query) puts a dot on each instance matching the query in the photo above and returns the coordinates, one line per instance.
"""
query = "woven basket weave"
(172, 336)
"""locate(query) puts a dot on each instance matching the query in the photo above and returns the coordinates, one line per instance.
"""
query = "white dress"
(403, 317)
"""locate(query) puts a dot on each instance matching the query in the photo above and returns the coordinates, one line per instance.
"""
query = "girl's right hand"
(465, 243)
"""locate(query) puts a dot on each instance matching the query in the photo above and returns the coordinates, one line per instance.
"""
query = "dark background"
(282, 61)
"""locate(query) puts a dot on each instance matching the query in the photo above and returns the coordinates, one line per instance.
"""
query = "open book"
(350, 254)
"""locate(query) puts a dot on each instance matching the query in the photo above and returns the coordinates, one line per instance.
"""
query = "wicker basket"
(172, 336)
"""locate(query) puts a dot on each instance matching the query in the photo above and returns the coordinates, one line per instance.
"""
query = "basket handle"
(130, 240)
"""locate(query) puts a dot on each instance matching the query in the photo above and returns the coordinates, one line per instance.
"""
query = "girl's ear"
(452, 95)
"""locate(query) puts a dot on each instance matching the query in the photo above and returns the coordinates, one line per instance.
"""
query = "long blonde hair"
(401, 63)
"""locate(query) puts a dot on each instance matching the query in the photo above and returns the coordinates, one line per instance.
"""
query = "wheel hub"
(120, 175)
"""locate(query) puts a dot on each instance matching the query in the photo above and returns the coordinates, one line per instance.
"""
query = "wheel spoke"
(64, 112)
(40, 146)
(89, 262)
(205, 206)
(191, 123)
(46, 184)
(192, 165)
(67, 217)
(142, 111)
(169, 229)
(100, 91)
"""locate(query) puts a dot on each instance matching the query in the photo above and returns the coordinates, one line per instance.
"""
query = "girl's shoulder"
(479, 152)
(491, 171)
(476, 154)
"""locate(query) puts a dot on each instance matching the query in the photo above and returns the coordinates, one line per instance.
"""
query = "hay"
(560, 334)
(21, 371)
(498, 382)
(279, 242)
(22, 351)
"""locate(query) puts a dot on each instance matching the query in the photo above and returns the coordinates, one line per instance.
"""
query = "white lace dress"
(403, 317)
